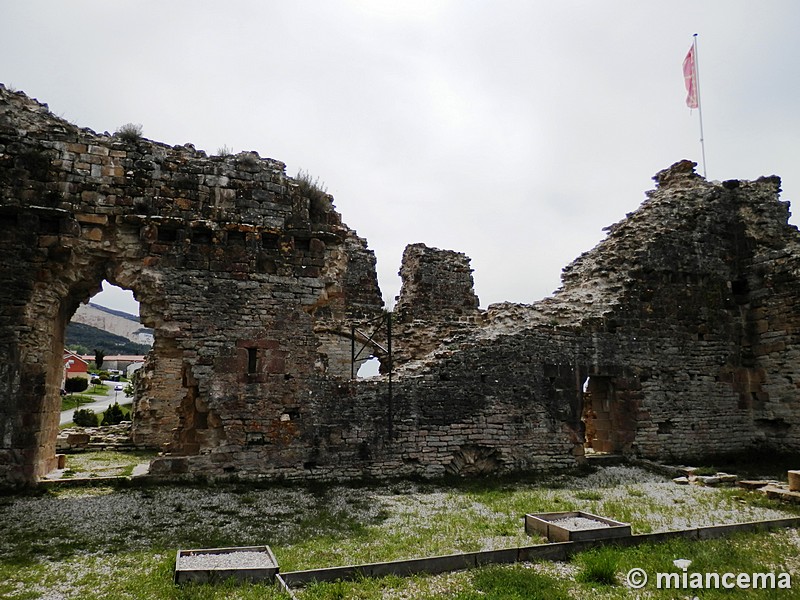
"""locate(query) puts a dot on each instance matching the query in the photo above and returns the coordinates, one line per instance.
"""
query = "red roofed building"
(74, 366)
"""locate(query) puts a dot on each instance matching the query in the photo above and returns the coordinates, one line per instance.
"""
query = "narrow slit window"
(252, 360)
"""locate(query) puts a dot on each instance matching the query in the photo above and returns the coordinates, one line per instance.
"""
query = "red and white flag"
(690, 78)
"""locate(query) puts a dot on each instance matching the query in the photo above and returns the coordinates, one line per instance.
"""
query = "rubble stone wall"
(234, 265)
(437, 301)
(694, 294)
(674, 338)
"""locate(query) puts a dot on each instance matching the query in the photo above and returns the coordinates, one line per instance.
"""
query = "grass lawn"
(105, 463)
(97, 543)
(71, 401)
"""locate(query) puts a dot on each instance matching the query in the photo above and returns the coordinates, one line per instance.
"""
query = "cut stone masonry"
(674, 338)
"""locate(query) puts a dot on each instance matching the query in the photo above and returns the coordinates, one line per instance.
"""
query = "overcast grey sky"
(513, 131)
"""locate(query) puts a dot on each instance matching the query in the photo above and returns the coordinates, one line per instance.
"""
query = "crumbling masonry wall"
(684, 320)
(674, 338)
(437, 300)
(234, 265)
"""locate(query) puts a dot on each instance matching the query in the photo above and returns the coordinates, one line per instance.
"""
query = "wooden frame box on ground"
(213, 565)
(547, 525)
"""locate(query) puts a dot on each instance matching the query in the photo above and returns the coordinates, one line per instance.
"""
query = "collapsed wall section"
(437, 301)
(696, 294)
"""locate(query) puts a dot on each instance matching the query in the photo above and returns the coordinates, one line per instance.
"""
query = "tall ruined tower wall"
(437, 301)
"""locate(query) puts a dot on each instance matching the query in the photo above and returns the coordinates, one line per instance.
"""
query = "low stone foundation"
(77, 439)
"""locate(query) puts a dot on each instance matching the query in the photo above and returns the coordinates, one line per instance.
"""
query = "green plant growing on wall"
(130, 132)
(248, 160)
(317, 193)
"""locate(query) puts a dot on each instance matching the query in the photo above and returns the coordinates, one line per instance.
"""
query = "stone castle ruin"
(675, 338)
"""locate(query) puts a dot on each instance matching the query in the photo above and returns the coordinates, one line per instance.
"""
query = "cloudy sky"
(512, 130)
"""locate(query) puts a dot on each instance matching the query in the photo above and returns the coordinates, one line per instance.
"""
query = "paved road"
(102, 402)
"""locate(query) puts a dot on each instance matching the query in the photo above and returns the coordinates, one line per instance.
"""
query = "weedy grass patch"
(100, 542)
(105, 463)
(600, 573)
(598, 566)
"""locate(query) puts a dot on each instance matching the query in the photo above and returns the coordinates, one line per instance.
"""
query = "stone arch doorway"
(52, 305)
(609, 415)
(106, 330)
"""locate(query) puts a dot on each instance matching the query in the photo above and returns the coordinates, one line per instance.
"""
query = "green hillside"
(83, 339)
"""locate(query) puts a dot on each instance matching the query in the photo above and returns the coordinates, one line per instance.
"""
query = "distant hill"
(85, 338)
(114, 321)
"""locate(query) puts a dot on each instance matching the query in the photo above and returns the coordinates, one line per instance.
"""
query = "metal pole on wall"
(353, 352)
(699, 104)
(691, 77)
(389, 349)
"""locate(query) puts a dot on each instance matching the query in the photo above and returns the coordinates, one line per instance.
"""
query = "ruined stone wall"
(437, 300)
(234, 264)
(694, 294)
(459, 414)
(675, 338)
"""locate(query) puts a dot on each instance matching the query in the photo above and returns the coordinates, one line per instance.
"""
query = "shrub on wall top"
(130, 132)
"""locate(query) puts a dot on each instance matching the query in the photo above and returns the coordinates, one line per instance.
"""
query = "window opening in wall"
(270, 241)
(8, 221)
(201, 235)
(303, 244)
(236, 238)
(740, 289)
(51, 226)
(252, 360)
(369, 368)
(166, 234)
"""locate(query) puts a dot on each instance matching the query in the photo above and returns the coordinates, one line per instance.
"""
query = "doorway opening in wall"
(104, 346)
(599, 416)
(609, 414)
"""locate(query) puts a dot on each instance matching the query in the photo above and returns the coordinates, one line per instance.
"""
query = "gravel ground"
(275, 515)
(579, 523)
(227, 560)
(98, 527)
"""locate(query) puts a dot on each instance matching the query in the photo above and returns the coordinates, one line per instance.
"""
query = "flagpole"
(696, 67)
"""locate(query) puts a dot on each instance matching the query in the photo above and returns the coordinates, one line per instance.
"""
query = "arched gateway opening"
(105, 345)
(239, 270)
(54, 298)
